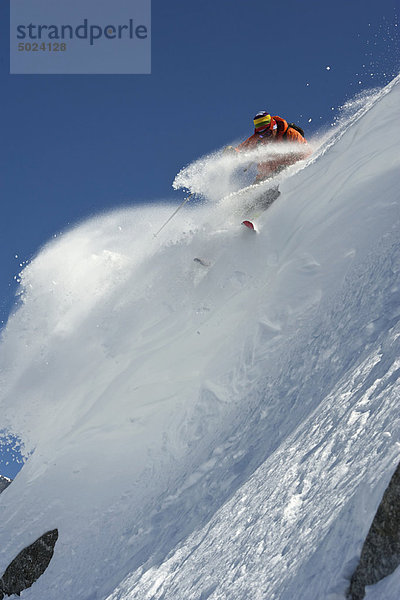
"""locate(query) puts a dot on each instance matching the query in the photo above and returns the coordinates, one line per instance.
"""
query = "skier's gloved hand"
(229, 151)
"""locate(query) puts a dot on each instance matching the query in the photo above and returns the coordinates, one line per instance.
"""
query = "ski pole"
(174, 213)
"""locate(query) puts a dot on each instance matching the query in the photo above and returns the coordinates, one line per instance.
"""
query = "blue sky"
(76, 145)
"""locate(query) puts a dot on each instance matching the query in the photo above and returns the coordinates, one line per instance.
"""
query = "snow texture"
(211, 433)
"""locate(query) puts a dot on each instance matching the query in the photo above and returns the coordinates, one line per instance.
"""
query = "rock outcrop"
(380, 554)
(4, 482)
(29, 565)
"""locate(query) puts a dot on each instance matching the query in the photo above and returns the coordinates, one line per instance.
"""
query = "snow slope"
(213, 433)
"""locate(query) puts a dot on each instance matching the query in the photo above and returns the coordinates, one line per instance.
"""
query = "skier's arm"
(229, 150)
(247, 144)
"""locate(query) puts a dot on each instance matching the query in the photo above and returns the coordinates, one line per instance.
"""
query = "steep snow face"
(221, 432)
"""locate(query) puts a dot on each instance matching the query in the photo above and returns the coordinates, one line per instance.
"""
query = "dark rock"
(29, 565)
(380, 554)
(4, 482)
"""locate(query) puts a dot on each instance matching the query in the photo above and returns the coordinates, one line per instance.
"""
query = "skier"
(268, 129)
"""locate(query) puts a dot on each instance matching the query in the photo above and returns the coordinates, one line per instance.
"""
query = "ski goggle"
(262, 122)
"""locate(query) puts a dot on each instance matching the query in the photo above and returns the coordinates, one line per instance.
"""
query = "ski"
(253, 198)
(249, 225)
(268, 198)
(202, 261)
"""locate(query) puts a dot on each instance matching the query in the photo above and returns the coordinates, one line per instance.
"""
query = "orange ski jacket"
(285, 133)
